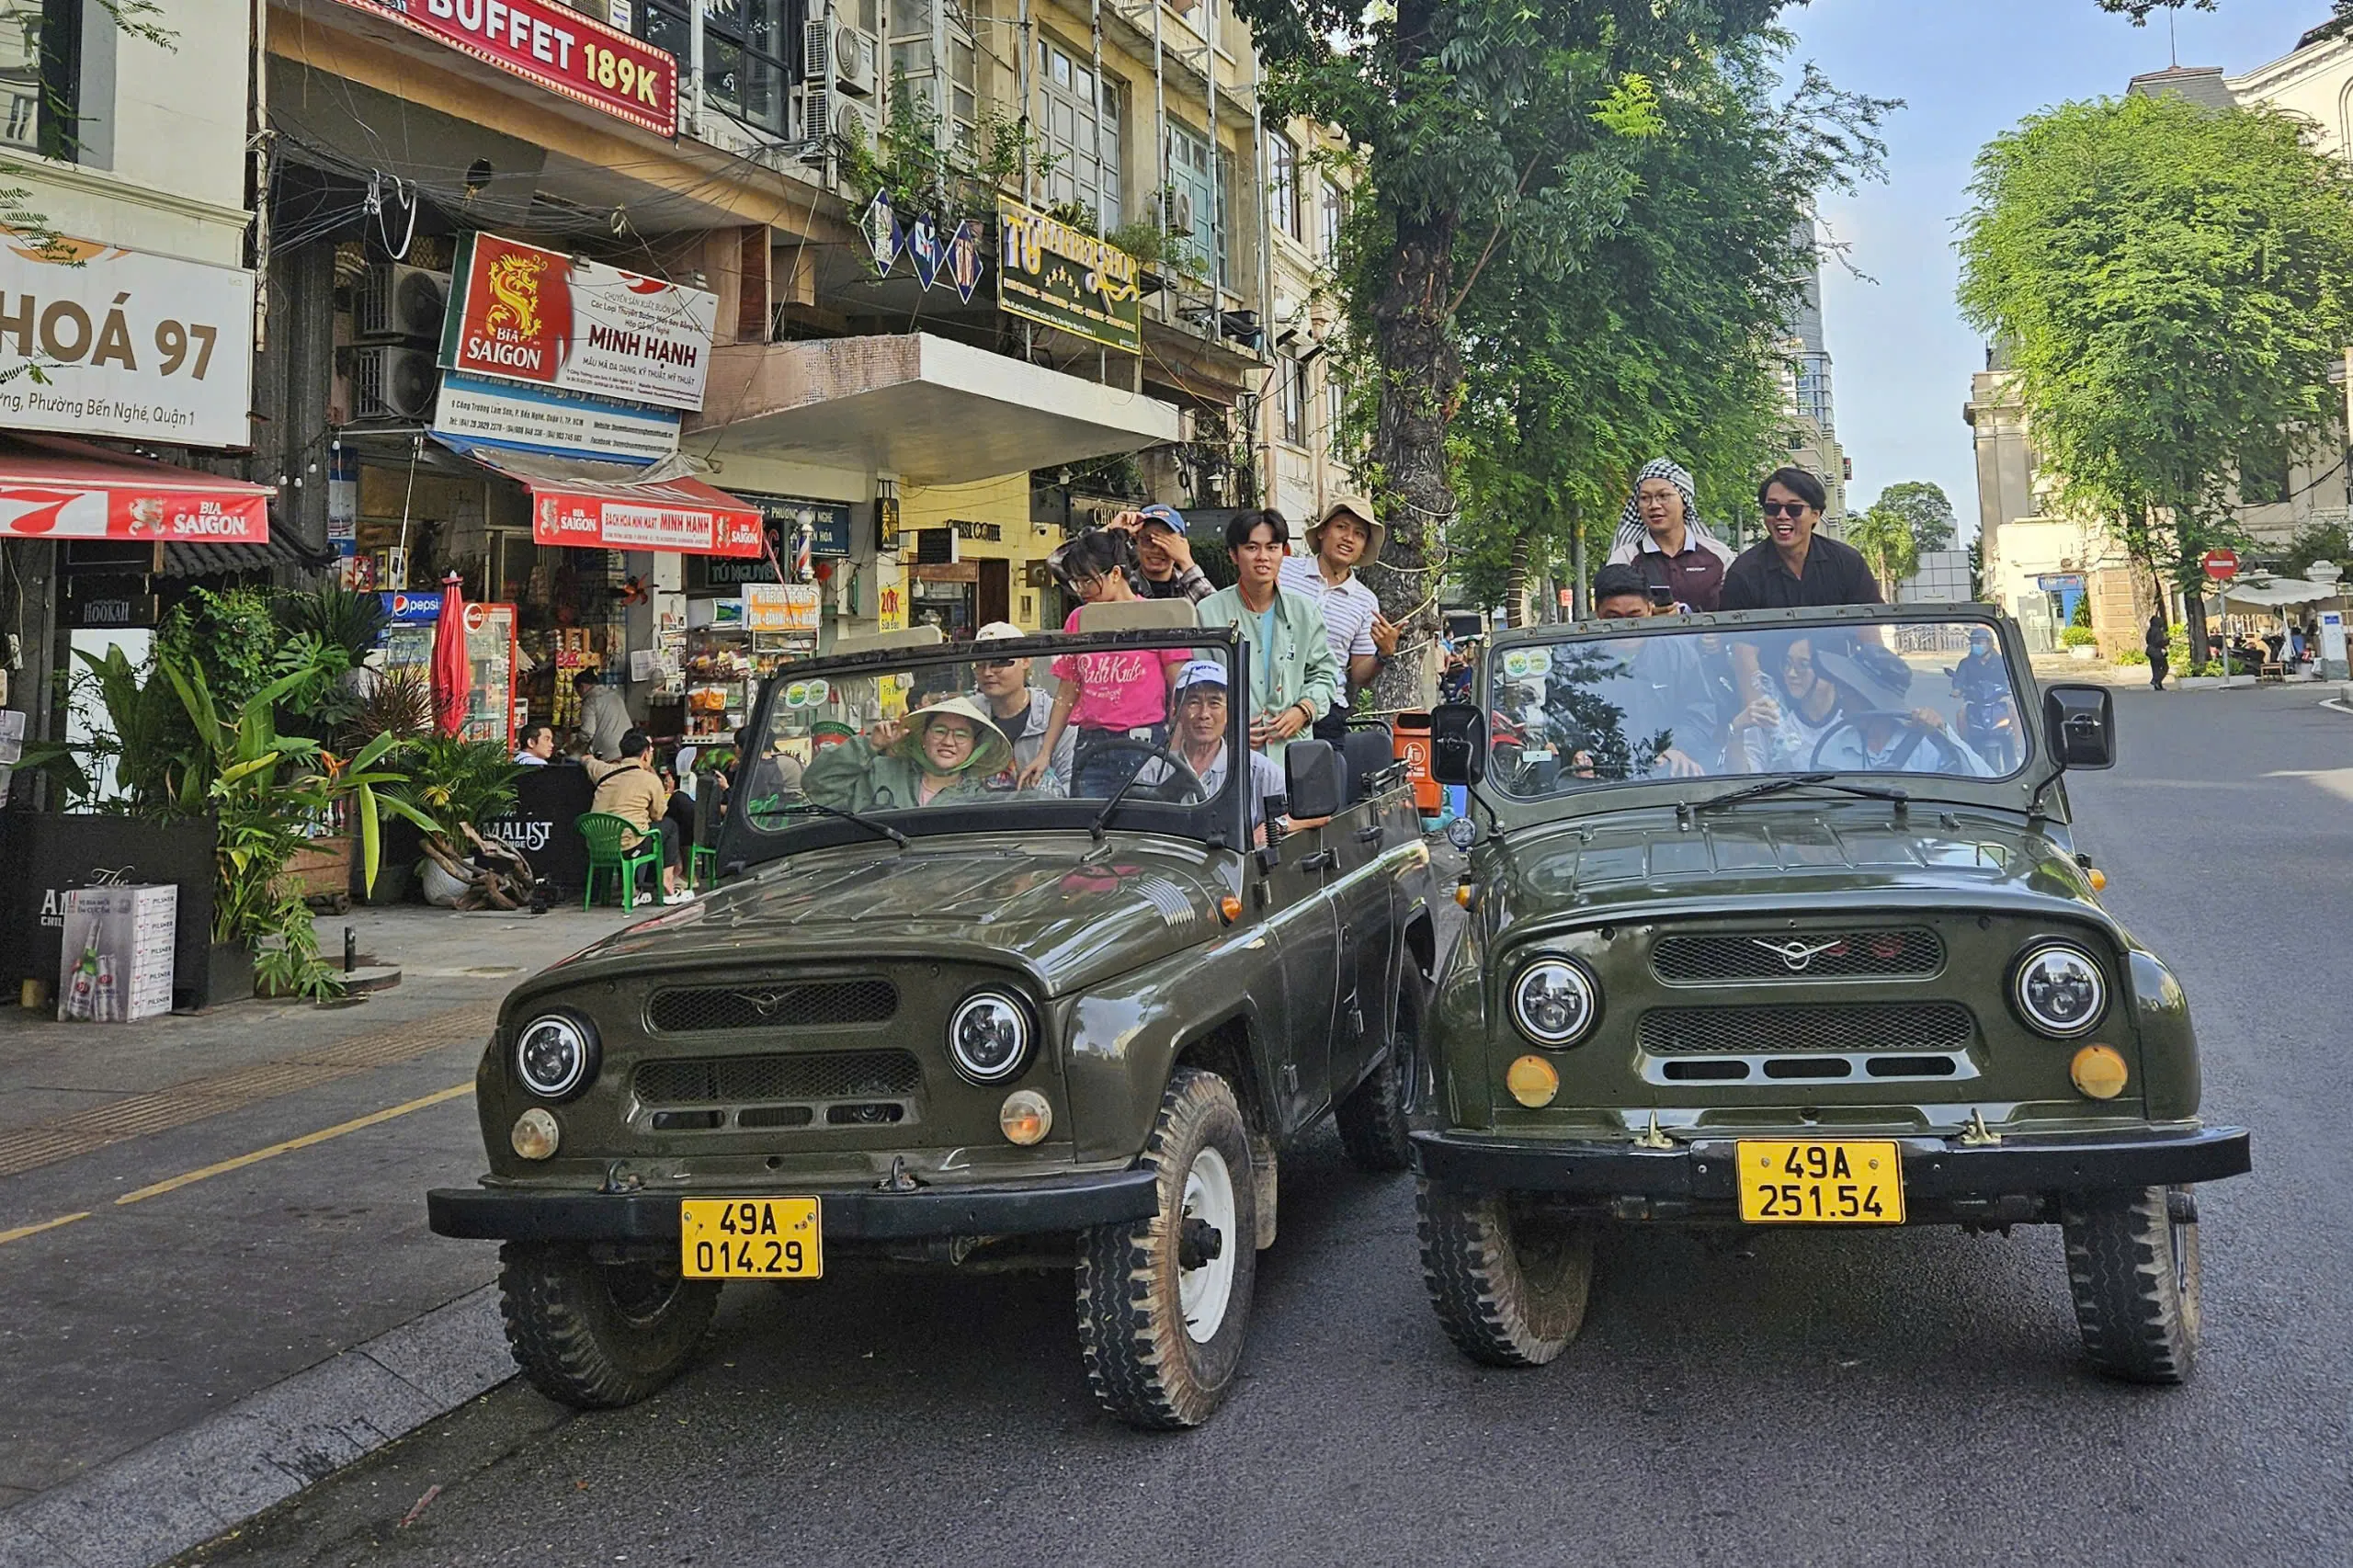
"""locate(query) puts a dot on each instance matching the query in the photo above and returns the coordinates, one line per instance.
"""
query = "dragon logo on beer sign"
(511, 313)
(513, 280)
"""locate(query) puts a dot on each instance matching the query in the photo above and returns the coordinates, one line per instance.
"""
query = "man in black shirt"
(1792, 566)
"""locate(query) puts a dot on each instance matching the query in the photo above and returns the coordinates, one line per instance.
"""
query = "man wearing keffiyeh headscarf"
(1659, 535)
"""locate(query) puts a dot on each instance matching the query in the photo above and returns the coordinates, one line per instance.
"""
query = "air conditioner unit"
(858, 60)
(400, 301)
(388, 383)
(1180, 211)
(815, 37)
(852, 121)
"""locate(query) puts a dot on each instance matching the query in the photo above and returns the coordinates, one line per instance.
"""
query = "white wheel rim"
(1204, 1293)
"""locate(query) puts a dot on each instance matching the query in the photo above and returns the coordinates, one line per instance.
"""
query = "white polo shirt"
(1347, 609)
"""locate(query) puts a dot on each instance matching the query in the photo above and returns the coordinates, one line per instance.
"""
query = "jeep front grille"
(810, 1076)
(1719, 957)
(1913, 1027)
(817, 1004)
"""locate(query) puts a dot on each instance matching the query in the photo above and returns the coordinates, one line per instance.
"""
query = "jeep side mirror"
(2079, 723)
(1311, 781)
(1455, 752)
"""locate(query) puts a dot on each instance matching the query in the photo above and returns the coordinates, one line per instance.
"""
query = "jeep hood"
(1642, 863)
(1066, 910)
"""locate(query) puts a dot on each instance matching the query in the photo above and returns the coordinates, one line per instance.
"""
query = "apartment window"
(1198, 202)
(1282, 185)
(41, 69)
(745, 46)
(2263, 476)
(1070, 100)
(1335, 410)
(911, 57)
(1334, 212)
(1291, 401)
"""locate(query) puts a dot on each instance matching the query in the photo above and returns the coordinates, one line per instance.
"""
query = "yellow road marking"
(304, 1141)
(21, 1232)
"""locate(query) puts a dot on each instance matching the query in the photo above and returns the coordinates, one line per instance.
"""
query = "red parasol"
(453, 673)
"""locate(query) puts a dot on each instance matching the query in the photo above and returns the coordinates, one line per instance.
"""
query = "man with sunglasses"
(1793, 566)
(1020, 709)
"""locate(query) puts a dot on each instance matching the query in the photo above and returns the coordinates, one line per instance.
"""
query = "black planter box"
(42, 854)
(548, 802)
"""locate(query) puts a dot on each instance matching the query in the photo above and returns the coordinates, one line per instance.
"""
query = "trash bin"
(1413, 747)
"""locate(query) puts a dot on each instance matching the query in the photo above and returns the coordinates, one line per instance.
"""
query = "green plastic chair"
(604, 832)
(702, 855)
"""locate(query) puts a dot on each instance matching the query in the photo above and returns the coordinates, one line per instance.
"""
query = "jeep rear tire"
(1509, 1281)
(1163, 1303)
(598, 1335)
(1371, 1120)
(2133, 1267)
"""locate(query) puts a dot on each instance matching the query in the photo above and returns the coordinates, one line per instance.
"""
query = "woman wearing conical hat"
(936, 754)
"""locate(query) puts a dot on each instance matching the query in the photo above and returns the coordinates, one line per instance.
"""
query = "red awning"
(53, 488)
(597, 505)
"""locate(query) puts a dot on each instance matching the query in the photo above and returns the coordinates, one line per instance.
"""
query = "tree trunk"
(1421, 370)
(1516, 584)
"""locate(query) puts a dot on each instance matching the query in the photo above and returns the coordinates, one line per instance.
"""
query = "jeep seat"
(1365, 753)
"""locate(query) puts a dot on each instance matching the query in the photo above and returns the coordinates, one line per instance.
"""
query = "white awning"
(2278, 593)
(928, 409)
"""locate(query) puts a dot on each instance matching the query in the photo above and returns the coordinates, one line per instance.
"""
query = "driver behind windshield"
(937, 756)
(1202, 707)
(1878, 733)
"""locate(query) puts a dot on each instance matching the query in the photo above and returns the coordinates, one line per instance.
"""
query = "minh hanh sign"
(522, 313)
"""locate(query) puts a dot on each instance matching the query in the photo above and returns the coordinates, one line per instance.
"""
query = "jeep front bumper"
(1943, 1178)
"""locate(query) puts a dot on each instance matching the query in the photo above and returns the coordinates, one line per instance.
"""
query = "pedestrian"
(630, 790)
(1660, 535)
(537, 747)
(1163, 554)
(1793, 566)
(1108, 697)
(1293, 679)
(1363, 639)
(2158, 642)
(603, 715)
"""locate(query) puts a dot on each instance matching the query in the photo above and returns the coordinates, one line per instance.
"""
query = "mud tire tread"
(571, 1339)
(1373, 1121)
(2138, 1320)
(1485, 1302)
(1142, 1365)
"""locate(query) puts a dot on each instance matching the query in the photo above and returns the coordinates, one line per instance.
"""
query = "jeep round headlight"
(2059, 989)
(1555, 1002)
(988, 1036)
(555, 1055)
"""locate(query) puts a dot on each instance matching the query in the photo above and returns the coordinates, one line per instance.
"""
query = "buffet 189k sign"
(559, 49)
(522, 313)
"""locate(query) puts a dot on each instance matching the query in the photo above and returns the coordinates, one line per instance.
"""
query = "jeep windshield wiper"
(1819, 781)
(861, 818)
(1103, 817)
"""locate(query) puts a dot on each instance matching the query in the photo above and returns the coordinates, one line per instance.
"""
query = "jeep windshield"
(888, 747)
(1703, 702)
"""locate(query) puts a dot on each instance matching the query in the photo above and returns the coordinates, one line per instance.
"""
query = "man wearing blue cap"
(1199, 739)
(1165, 553)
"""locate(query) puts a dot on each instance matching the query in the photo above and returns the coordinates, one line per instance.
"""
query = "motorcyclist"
(1982, 684)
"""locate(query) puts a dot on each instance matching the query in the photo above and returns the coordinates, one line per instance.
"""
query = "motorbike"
(1988, 721)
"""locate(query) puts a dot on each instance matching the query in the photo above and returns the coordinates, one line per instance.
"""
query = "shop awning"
(54, 488)
(2279, 593)
(928, 409)
(622, 507)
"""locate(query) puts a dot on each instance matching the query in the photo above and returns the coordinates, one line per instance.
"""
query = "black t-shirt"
(1835, 574)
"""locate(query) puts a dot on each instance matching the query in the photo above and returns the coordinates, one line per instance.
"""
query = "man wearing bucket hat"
(1023, 711)
(1163, 554)
(1880, 734)
(934, 755)
(1345, 538)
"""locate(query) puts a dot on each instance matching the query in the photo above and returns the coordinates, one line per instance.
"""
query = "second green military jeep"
(942, 1011)
(1776, 919)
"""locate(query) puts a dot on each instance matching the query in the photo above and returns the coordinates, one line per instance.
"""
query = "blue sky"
(1967, 70)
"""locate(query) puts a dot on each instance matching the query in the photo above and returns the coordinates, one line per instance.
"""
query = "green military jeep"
(1776, 918)
(942, 1011)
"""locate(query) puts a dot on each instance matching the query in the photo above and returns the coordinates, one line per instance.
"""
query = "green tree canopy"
(1884, 536)
(1924, 506)
(2171, 281)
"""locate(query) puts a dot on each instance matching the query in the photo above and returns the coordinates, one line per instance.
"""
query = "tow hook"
(900, 1180)
(1198, 1244)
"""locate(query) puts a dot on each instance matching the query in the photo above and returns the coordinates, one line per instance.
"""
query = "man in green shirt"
(1293, 678)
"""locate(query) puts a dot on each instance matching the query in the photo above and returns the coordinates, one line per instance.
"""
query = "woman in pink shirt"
(1122, 695)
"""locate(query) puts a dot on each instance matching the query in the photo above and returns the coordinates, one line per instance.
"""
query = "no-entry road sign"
(2222, 564)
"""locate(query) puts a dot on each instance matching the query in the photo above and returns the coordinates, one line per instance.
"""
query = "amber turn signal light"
(1230, 907)
(1466, 893)
(1533, 1082)
(1025, 1116)
(536, 1135)
(2099, 879)
(2099, 1071)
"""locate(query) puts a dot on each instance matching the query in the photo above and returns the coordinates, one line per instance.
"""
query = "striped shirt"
(1347, 609)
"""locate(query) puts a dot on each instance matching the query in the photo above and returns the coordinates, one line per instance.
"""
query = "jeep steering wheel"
(1193, 788)
(1916, 733)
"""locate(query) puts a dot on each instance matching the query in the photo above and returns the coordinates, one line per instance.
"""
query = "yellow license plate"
(1821, 1183)
(750, 1238)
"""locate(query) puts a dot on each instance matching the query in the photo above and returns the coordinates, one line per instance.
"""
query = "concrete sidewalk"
(215, 1277)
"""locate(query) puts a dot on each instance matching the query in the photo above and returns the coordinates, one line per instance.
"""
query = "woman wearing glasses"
(1105, 697)
(1794, 566)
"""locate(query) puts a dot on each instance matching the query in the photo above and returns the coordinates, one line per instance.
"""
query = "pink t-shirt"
(1118, 691)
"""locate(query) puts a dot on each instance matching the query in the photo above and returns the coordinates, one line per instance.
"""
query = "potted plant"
(453, 786)
(2080, 641)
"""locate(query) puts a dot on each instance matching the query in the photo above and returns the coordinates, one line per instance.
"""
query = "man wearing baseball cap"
(1020, 709)
(1362, 638)
(1201, 712)
(1165, 553)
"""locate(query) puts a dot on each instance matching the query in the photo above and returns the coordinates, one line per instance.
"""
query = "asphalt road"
(1736, 1399)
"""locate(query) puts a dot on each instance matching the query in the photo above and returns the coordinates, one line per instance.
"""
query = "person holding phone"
(1659, 535)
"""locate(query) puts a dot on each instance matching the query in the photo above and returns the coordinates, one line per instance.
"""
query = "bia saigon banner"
(521, 314)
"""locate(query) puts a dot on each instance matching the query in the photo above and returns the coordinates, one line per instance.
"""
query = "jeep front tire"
(598, 1335)
(1164, 1302)
(1509, 1281)
(2132, 1268)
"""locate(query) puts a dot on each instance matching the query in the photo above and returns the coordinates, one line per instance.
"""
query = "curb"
(182, 1490)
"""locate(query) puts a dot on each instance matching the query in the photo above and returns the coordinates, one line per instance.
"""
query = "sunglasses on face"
(990, 666)
(1786, 508)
